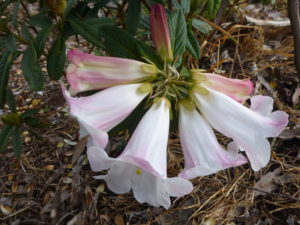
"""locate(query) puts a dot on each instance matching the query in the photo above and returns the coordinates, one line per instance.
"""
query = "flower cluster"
(202, 101)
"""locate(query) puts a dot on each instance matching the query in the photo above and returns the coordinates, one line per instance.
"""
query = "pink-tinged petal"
(246, 127)
(147, 186)
(104, 110)
(98, 158)
(147, 147)
(239, 90)
(202, 152)
(160, 32)
(178, 187)
(90, 72)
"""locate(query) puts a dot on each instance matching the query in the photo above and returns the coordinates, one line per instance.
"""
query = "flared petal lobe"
(247, 128)
(203, 154)
(160, 32)
(239, 90)
(90, 72)
(142, 165)
(102, 111)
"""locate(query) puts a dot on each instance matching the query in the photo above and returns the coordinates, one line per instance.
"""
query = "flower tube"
(202, 153)
(142, 165)
(248, 128)
(90, 72)
(239, 90)
(102, 111)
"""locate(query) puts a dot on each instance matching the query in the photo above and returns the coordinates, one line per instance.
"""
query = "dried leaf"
(267, 182)
(119, 220)
(289, 134)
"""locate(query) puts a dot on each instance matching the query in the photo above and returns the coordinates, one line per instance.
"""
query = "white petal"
(178, 187)
(246, 127)
(202, 152)
(150, 188)
(102, 111)
(98, 158)
(147, 147)
(119, 177)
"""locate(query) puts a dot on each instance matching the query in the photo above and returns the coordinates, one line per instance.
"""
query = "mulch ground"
(52, 183)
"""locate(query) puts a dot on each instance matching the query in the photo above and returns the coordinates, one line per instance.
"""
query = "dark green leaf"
(26, 34)
(56, 59)
(11, 102)
(98, 22)
(40, 20)
(28, 113)
(101, 4)
(202, 26)
(70, 5)
(40, 39)
(11, 43)
(88, 32)
(35, 122)
(178, 31)
(17, 141)
(15, 13)
(120, 43)
(193, 45)
(149, 53)
(133, 15)
(212, 8)
(31, 69)
(131, 121)
(5, 133)
(5, 64)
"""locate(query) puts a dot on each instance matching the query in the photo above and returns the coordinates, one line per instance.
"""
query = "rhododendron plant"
(202, 102)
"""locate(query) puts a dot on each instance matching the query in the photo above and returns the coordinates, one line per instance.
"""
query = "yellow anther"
(138, 171)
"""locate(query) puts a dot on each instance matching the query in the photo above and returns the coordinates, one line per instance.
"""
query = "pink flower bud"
(160, 32)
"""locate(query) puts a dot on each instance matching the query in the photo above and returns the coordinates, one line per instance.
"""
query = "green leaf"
(202, 26)
(175, 4)
(5, 64)
(11, 102)
(56, 59)
(178, 31)
(120, 43)
(87, 31)
(185, 6)
(149, 53)
(31, 69)
(212, 8)
(133, 16)
(5, 133)
(17, 141)
(40, 39)
(193, 45)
